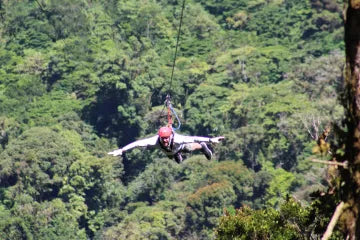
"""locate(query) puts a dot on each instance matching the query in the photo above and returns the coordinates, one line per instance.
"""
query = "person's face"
(165, 141)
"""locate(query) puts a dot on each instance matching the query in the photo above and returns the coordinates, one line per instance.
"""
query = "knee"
(194, 146)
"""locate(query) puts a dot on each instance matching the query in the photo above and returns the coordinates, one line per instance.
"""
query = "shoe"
(206, 151)
(178, 157)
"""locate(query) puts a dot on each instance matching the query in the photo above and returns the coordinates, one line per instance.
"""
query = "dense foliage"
(79, 78)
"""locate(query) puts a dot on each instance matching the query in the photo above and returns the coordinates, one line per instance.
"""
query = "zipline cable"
(177, 44)
(167, 101)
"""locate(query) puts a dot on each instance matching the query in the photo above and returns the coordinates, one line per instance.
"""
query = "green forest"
(81, 78)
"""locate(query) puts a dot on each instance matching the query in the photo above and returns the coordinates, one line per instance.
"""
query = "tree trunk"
(350, 192)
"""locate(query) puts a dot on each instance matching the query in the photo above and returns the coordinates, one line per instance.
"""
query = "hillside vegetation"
(81, 78)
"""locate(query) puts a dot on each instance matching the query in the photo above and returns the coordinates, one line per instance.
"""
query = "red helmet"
(165, 132)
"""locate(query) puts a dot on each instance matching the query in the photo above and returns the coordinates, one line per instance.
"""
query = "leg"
(189, 147)
(206, 151)
(178, 157)
(198, 146)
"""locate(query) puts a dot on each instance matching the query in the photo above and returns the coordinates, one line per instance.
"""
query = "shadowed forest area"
(81, 78)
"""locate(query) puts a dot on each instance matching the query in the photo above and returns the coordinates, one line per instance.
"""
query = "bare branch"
(343, 164)
(316, 124)
(313, 125)
(312, 136)
(41, 6)
(339, 210)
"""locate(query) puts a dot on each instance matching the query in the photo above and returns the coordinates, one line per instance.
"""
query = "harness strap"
(169, 116)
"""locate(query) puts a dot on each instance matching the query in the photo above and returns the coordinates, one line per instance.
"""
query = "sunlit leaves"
(36, 170)
(242, 70)
(163, 221)
(205, 116)
(207, 203)
(47, 220)
(279, 186)
(150, 184)
(287, 223)
(266, 117)
(238, 175)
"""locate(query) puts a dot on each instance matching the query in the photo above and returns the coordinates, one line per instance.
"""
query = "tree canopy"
(80, 78)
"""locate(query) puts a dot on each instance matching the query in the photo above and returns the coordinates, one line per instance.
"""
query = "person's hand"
(118, 152)
(217, 139)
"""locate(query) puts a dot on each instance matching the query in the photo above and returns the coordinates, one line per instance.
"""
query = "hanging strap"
(177, 118)
(168, 105)
(170, 111)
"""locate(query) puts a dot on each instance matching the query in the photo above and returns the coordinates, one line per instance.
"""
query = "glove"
(118, 152)
(216, 139)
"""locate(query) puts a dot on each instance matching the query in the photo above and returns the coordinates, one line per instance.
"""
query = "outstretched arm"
(216, 139)
(139, 143)
(189, 139)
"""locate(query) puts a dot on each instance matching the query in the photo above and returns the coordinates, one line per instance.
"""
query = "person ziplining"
(172, 144)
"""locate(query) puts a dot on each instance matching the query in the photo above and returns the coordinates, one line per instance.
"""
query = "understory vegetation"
(81, 78)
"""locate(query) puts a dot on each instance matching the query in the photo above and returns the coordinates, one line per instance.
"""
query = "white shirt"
(175, 145)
